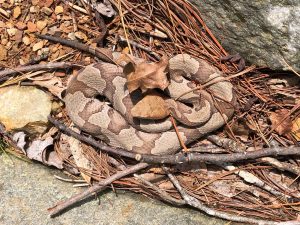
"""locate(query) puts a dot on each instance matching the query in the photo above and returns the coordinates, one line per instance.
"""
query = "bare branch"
(94, 189)
(180, 157)
(161, 193)
(25, 69)
(190, 200)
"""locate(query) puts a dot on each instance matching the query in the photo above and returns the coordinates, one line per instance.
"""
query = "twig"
(283, 166)
(69, 180)
(190, 200)
(226, 143)
(290, 68)
(137, 45)
(252, 179)
(95, 189)
(77, 8)
(24, 69)
(101, 53)
(180, 157)
(217, 80)
(123, 25)
(4, 12)
(185, 149)
(161, 193)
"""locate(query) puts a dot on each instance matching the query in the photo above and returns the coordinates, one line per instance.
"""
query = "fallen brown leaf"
(283, 127)
(20, 25)
(147, 75)
(296, 128)
(59, 9)
(39, 150)
(38, 46)
(152, 106)
(3, 53)
(46, 3)
(31, 27)
(41, 24)
(16, 12)
(54, 85)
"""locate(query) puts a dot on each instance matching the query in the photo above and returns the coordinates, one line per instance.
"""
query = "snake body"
(199, 112)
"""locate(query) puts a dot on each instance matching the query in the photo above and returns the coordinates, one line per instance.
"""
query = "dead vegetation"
(217, 177)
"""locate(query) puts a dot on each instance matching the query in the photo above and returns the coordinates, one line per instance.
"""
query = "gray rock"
(263, 32)
(28, 189)
(24, 108)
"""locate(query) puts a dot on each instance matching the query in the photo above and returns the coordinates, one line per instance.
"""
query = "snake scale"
(199, 112)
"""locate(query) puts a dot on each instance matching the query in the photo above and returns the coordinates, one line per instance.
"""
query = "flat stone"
(20, 106)
(28, 189)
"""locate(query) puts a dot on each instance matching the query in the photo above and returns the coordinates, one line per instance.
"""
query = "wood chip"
(81, 35)
(11, 31)
(3, 53)
(38, 46)
(34, 9)
(47, 11)
(17, 12)
(58, 10)
(41, 24)
(20, 25)
(4, 12)
(31, 27)
(26, 40)
(35, 2)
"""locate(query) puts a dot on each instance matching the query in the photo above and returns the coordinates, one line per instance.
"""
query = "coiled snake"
(199, 112)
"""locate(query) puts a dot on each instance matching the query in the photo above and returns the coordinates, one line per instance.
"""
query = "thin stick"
(291, 68)
(25, 69)
(218, 79)
(137, 45)
(161, 193)
(77, 8)
(95, 189)
(123, 25)
(185, 149)
(180, 158)
(192, 201)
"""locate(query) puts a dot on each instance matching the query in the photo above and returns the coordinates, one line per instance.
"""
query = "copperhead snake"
(114, 124)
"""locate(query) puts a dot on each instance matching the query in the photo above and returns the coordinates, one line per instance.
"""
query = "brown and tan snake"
(112, 122)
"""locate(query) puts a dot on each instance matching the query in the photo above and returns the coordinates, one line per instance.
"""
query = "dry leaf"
(31, 27)
(148, 27)
(47, 11)
(3, 53)
(285, 126)
(80, 35)
(54, 85)
(38, 150)
(166, 185)
(41, 24)
(77, 149)
(11, 31)
(46, 3)
(147, 75)
(16, 12)
(241, 129)
(105, 8)
(59, 9)
(38, 46)
(152, 106)
(20, 25)
(296, 128)
(26, 40)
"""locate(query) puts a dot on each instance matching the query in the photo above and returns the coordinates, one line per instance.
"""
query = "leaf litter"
(268, 110)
